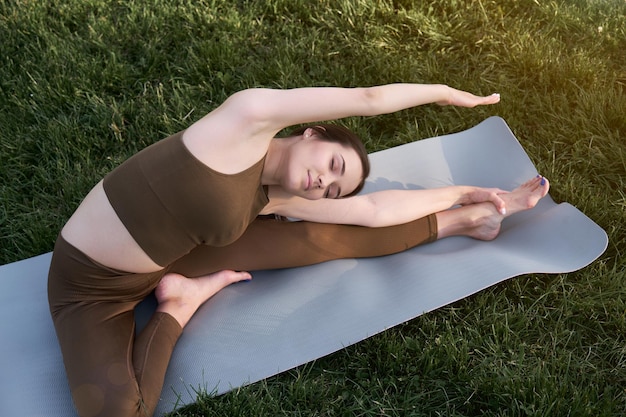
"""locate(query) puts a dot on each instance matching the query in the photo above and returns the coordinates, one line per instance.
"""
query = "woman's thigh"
(92, 308)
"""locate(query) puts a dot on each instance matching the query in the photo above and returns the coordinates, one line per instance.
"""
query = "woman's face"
(322, 169)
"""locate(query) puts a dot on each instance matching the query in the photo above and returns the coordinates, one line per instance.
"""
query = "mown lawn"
(86, 83)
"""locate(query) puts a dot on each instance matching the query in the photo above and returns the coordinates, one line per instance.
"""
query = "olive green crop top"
(171, 202)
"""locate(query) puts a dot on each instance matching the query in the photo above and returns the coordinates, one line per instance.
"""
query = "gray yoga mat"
(285, 318)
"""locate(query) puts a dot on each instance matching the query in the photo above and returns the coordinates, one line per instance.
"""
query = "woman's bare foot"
(526, 196)
(181, 297)
(482, 221)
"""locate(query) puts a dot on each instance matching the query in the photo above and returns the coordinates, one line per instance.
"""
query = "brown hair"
(345, 137)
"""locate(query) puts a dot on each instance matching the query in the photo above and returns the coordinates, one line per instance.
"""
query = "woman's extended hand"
(477, 195)
(464, 99)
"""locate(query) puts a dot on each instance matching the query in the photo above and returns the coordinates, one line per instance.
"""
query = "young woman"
(187, 206)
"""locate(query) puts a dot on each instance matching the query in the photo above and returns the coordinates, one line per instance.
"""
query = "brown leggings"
(112, 371)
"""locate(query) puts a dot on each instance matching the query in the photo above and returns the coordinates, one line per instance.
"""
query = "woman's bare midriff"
(96, 230)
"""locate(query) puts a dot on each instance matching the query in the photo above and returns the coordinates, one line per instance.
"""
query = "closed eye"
(333, 190)
(338, 164)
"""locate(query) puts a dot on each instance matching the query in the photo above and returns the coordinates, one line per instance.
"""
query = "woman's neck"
(275, 160)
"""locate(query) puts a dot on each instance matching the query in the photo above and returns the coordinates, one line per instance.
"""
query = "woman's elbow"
(379, 220)
(372, 99)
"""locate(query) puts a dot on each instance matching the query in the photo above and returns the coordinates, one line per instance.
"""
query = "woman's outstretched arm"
(381, 208)
(282, 108)
(261, 112)
(237, 133)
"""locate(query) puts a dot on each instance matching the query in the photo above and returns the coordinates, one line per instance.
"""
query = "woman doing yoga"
(180, 218)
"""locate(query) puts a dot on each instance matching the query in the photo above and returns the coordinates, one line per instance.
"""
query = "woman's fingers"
(499, 203)
(465, 99)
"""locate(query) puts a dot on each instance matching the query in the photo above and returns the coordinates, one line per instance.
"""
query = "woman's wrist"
(463, 195)
(446, 95)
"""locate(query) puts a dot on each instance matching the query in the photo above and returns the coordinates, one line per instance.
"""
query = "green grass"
(85, 83)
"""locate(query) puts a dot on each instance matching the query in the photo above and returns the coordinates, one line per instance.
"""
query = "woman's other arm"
(266, 111)
(381, 208)
(283, 108)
